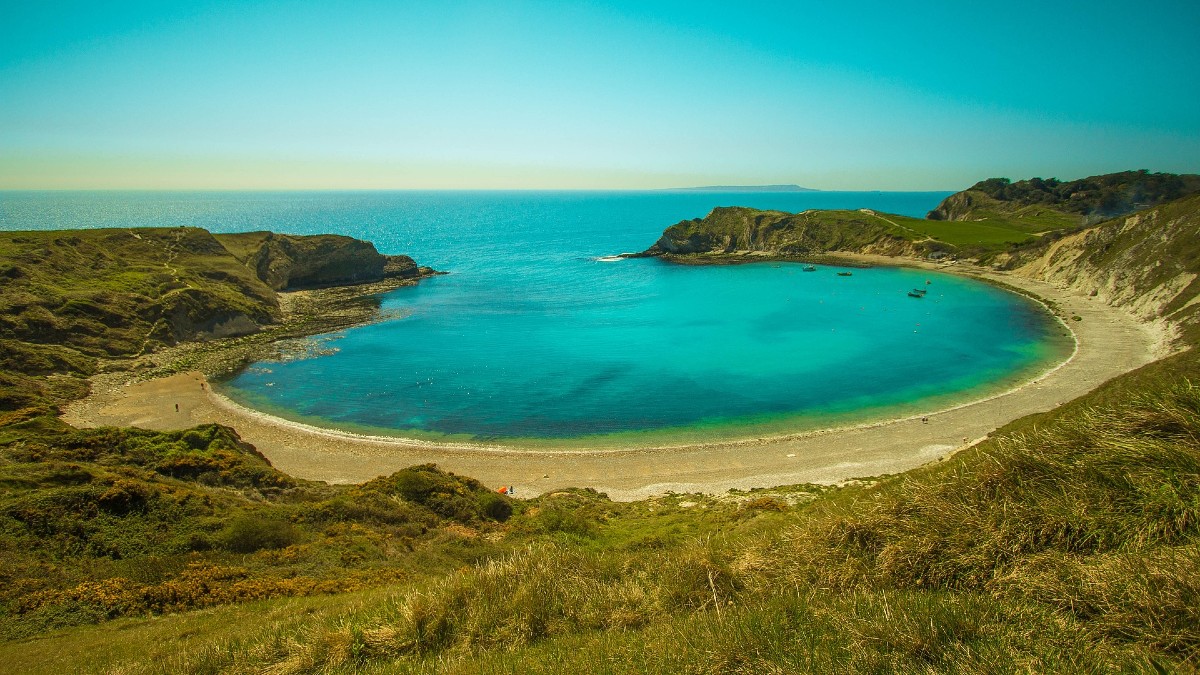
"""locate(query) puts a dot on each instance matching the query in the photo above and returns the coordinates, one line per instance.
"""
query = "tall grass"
(1096, 515)
(1069, 545)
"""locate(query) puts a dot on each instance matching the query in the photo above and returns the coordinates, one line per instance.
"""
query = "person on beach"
(176, 407)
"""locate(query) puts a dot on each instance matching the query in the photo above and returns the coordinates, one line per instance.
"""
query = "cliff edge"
(730, 231)
(291, 262)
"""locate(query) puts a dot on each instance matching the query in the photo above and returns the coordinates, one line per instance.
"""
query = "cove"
(576, 351)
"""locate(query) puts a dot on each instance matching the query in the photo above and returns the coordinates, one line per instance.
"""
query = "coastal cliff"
(1147, 262)
(289, 262)
(739, 231)
(989, 223)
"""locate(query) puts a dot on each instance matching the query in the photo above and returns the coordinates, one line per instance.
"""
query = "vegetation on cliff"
(1088, 199)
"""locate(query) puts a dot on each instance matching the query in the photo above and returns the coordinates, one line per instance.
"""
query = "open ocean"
(531, 338)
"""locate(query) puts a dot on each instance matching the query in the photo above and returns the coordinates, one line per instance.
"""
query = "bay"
(531, 338)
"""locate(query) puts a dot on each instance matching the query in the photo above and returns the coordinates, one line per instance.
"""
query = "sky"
(592, 95)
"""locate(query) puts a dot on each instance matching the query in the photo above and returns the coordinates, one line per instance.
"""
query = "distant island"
(745, 188)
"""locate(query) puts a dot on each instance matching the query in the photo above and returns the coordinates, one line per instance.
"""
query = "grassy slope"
(1069, 542)
(98, 524)
(113, 292)
(71, 297)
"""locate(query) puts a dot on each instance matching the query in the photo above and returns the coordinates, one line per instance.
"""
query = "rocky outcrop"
(292, 262)
(404, 267)
(286, 262)
(739, 230)
(961, 206)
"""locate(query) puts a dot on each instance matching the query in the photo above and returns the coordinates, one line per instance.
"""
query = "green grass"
(967, 235)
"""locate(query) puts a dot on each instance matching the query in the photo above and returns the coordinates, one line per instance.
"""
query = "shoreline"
(604, 445)
(1108, 342)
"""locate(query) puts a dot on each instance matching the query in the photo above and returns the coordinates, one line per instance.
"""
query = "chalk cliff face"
(733, 230)
(1148, 262)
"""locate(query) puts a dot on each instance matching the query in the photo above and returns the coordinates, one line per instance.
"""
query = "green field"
(988, 235)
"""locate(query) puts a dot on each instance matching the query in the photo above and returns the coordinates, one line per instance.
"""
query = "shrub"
(250, 532)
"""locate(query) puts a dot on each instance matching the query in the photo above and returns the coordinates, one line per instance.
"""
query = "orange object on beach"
(503, 490)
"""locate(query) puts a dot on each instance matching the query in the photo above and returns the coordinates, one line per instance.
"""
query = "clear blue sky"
(592, 95)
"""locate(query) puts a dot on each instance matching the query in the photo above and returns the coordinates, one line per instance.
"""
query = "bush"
(249, 533)
(495, 507)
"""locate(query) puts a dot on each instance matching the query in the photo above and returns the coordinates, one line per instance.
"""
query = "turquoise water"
(531, 337)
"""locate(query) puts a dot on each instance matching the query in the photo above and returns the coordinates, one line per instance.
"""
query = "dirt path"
(1110, 342)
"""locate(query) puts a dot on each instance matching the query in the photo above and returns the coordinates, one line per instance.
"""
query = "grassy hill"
(1066, 542)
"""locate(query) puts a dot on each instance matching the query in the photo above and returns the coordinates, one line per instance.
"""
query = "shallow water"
(531, 336)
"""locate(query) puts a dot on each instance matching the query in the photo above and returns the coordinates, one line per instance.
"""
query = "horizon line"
(719, 188)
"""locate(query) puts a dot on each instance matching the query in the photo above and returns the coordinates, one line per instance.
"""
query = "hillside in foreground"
(1068, 541)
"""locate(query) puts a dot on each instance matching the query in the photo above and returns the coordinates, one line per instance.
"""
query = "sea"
(536, 336)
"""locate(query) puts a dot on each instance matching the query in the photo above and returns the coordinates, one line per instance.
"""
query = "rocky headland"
(78, 302)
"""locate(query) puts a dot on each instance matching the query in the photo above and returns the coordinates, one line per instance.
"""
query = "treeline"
(1100, 196)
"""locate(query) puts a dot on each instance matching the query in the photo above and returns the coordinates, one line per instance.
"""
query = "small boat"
(810, 268)
(915, 294)
(845, 274)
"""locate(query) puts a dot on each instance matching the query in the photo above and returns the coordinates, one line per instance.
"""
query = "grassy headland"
(991, 218)
(1068, 541)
